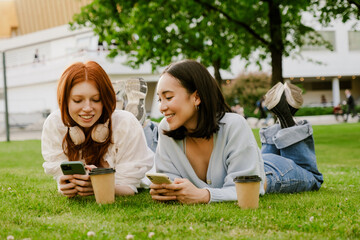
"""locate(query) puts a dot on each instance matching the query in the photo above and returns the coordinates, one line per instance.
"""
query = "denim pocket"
(280, 165)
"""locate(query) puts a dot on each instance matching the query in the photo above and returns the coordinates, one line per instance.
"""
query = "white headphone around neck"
(99, 133)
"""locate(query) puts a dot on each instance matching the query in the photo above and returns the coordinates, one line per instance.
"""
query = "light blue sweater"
(235, 153)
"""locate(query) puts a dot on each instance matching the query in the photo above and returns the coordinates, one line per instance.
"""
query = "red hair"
(78, 72)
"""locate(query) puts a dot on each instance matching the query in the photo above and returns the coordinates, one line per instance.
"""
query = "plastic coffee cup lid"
(98, 171)
(245, 179)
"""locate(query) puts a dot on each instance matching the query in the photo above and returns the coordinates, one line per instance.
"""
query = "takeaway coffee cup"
(247, 190)
(103, 182)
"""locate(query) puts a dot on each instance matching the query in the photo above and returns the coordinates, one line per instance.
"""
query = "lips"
(168, 117)
(86, 118)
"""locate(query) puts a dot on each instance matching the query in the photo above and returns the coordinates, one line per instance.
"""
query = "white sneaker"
(136, 90)
(273, 96)
(119, 87)
(293, 95)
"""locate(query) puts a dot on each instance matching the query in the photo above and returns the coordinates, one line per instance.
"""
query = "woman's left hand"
(183, 190)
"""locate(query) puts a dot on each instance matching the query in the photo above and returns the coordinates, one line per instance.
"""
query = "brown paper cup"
(247, 190)
(103, 183)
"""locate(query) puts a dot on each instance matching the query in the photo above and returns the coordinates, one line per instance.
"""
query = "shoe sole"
(136, 90)
(143, 86)
(119, 88)
(293, 95)
(136, 84)
(273, 96)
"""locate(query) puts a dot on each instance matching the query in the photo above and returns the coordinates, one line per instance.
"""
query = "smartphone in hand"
(158, 178)
(73, 167)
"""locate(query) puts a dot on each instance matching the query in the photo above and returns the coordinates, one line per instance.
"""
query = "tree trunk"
(216, 65)
(276, 46)
(276, 64)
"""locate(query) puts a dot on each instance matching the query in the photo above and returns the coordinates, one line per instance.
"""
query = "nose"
(162, 106)
(87, 107)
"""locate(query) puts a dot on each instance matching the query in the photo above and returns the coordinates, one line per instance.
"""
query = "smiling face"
(176, 104)
(85, 106)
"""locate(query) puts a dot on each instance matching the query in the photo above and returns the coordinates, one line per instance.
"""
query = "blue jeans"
(289, 159)
(151, 135)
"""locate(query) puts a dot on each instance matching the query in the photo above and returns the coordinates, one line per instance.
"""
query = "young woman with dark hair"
(199, 82)
(203, 146)
(87, 128)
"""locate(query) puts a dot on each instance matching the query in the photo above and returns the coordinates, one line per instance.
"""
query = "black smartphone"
(73, 167)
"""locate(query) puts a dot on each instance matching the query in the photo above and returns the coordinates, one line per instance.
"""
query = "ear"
(196, 98)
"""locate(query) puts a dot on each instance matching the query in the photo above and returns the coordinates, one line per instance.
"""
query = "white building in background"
(322, 72)
(32, 82)
(339, 69)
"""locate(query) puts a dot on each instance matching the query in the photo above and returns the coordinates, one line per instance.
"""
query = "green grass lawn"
(31, 208)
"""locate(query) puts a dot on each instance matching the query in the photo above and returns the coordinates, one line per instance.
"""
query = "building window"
(354, 41)
(327, 35)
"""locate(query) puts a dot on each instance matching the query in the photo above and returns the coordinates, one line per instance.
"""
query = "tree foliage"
(338, 9)
(210, 31)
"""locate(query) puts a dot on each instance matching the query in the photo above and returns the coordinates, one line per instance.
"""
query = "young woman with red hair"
(87, 128)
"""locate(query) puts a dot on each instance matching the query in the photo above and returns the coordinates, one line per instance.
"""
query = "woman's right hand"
(70, 186)
(66, 187)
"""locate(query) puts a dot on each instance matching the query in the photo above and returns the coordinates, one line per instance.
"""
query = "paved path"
(314, 120)
(34, 132)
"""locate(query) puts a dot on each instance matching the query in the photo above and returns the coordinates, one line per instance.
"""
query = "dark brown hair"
(193, 76)
(78, 72)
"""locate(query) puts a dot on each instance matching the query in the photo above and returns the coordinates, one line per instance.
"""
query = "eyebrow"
(166, 91)
(80, 95)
